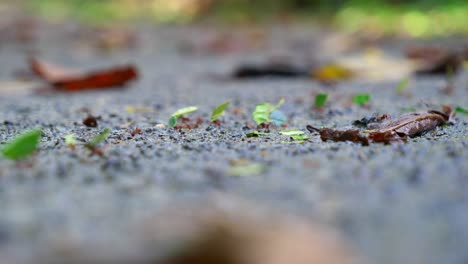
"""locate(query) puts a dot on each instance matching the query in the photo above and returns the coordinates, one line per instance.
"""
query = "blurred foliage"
(417, 18)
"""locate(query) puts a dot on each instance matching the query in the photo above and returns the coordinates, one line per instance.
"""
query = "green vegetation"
(99, 138)
(418, 18)
(402, 85)
(461, 110)
(183, 111)
(257, 134)
(266, 113)
(22, 146)
(361, 99)
(219, 111)
(70, 140)
(296, 135)
(320, 99)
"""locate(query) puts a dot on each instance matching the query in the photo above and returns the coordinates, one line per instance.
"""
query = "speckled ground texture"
(405, 203)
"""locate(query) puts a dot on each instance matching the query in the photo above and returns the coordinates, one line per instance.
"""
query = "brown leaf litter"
(64, 79)
(384, 129)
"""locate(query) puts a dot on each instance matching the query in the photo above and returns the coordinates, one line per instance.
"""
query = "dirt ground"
(402, 203)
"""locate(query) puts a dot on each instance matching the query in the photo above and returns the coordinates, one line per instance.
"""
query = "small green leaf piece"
(219, 111)
(361, 99)
(263, 112)
(461, 110)
(278, 118)
(22, 146)
(245, 168)
(172, 121)
(295, 134)
(292, 132)
(185, 110)
(402, 85)
(177, 114)
(70, 140)
(320, 99)
(257, 134)
(99, 138)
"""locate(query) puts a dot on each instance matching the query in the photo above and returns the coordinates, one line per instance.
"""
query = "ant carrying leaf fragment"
(266, 113)
(179, 113)
(219, 111)
(22, 146)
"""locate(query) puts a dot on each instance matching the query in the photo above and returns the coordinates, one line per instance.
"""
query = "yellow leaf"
(331, 73)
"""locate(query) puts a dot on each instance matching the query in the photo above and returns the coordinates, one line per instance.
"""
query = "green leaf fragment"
(299, 137)
(263, 113)
(257, 134)
(246, 169)
(22, 146)
(219, 111)
(185, 110)
(361, 99)
(320, 99)
(292, 132)
(177, 114)
(278, 118)
(296, 135)
(402, 85)
(102, 136)
(172, 121)
(70, 140)
(461, 110)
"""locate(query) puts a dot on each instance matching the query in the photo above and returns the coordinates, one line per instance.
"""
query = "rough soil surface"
(403, 203)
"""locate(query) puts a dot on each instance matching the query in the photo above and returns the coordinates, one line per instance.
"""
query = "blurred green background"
(418, 18)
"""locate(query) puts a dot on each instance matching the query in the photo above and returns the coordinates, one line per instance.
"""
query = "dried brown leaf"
(73, 81)
(413, 124)
(352, 135)
(390, 131)
(435, 60)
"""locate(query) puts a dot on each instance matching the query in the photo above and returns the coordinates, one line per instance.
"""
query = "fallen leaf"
(98, 138)
(391, 130)
(219, 111)
(402, 85)
(179, 113)
(361, 99)
(22, 146)
(72, 81)
(413, 124)
(264, 112)
(278, 118)
(320, 99)
(298, 136)
(70, 140)
(461, 110)
(436, 60)
(292, 132)
(332, 73)
(365, 121)
(352, 135)
(387, 137)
